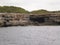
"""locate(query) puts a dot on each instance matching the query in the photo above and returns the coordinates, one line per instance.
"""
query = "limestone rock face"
(17, 19)
(13, 19)
(1, 22)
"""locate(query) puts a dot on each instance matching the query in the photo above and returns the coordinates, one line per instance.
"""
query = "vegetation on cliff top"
(12, 9)
(40, 11)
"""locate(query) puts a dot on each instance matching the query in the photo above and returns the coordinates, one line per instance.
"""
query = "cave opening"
(58, 23)
(38, 19)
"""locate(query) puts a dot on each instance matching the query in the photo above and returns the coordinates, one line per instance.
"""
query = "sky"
(51, 5)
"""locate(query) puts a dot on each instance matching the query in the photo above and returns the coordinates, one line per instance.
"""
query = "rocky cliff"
(15, 19)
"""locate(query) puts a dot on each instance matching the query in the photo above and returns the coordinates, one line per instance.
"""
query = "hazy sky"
(33, 4)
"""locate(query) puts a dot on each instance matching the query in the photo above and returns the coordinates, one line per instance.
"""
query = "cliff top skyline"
(51, 5)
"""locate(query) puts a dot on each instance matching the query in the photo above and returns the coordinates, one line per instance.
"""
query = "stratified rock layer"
(17, 19)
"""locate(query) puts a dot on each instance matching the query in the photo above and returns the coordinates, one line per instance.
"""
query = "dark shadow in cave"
(58, 23)
(38, 19)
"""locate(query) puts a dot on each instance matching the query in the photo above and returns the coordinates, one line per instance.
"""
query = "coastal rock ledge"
(18, 19)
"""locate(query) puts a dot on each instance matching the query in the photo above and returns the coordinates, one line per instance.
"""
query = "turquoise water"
(30, 35)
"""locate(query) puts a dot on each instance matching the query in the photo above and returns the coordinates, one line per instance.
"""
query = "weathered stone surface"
(15, 19)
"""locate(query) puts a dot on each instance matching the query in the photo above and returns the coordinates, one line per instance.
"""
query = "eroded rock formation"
(15, 19)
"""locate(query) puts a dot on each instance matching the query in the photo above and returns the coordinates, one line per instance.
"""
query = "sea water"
(30, 35)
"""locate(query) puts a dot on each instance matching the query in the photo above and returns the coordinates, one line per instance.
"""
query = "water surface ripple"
(30, 35)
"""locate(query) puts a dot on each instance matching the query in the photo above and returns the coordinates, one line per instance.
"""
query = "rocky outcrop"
(17, 19)
(13, 19)
(45, 19)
